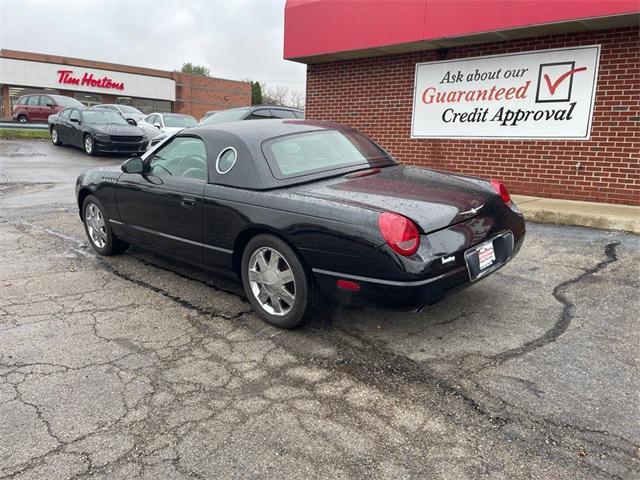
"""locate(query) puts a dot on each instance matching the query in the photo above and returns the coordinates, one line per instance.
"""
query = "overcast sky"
(236, 39)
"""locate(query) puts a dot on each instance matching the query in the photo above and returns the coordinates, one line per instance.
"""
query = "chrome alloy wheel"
(271, 280)
(54, 135)
(88, 144)
(95, 225)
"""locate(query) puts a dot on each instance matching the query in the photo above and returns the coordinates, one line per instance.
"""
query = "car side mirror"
(131, 121)
(133, 165)
(50, 105)
(157, 125)
(75, 120)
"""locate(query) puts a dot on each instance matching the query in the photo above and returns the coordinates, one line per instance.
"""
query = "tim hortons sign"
(66, 77)
(546, 94)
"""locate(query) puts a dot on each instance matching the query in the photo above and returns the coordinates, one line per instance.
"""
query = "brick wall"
(197, 95)
(375, 95)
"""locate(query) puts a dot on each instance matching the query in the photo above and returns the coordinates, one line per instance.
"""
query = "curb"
(585, 214)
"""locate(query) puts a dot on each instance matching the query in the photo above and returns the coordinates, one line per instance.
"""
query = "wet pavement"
(139, 367)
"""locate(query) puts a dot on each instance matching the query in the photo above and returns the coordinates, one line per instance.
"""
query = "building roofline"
(114, 67)
(324, 31)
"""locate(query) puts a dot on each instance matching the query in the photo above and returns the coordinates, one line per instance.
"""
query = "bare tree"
(281, 95)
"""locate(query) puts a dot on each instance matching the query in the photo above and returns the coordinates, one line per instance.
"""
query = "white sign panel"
(23, 73)
(542, 94)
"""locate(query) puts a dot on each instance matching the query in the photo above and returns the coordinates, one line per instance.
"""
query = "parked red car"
(37, 108)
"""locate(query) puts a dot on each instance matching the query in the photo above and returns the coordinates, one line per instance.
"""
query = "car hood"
(116, 129)
(434, 200)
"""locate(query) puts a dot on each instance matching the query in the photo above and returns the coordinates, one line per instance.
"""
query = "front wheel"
(54, 136)
(89, 145)
(276, 283)
(99, 232)
(22, 119)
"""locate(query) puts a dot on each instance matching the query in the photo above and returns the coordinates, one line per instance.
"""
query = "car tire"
(54, 137)
(263, 286)
(89, 145)
(23, 119)
(98, 230)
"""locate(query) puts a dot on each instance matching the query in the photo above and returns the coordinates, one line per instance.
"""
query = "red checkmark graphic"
(561, 78)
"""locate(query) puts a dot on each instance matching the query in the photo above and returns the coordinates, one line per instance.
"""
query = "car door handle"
(188, 202)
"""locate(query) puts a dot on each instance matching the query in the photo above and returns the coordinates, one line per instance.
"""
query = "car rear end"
(20, 110)
(418, 262)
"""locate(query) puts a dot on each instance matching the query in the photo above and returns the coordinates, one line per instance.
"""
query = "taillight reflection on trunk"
(400, 233)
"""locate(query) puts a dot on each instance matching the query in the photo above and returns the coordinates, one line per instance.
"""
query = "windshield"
(67, 101)
(179, 121)
(322, 151)
(128, 109)
(225, 116)
(103, 116)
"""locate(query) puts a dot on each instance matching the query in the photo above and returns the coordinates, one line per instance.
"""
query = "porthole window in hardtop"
(226, 160)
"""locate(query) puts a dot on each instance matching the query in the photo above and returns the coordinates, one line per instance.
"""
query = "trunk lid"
(433, 200)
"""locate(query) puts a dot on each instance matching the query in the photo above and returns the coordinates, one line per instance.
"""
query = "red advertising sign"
(66, 77)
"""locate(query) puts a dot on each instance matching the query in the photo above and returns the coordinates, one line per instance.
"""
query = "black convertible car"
(298, 210)
(96, 131)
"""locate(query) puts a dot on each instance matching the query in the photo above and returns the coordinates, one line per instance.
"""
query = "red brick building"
(383, 67)
(147, 89)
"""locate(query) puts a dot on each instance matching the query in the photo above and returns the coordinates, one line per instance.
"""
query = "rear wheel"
(89, 145)
(22, 119)
(276, 283)
(96, 225)
(54, 136)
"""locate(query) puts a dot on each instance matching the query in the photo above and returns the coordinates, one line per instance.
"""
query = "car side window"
(182, 157)
(65, 113)
(45, 101)
(23, 100)
(260, 114)
(75, 115)
(282, 113)
(149, 119)
(33, 100)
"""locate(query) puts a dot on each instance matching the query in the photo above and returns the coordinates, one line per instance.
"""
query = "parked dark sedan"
(96, 131)
(298, 210)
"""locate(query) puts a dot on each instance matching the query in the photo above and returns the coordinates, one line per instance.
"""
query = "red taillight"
(501, 190)
(399, 232)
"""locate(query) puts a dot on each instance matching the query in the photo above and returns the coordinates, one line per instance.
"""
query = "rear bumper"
(409, 295)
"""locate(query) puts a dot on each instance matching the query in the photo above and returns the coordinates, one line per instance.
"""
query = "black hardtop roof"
(252, 131)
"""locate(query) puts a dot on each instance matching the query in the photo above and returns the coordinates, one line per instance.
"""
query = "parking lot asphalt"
(138, 367)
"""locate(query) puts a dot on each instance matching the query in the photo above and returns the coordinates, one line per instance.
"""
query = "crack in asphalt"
(181, 301)
(566, 316)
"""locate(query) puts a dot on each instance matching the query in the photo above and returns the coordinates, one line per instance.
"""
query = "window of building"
(162, 106)
(146, 105)
(89, 99)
